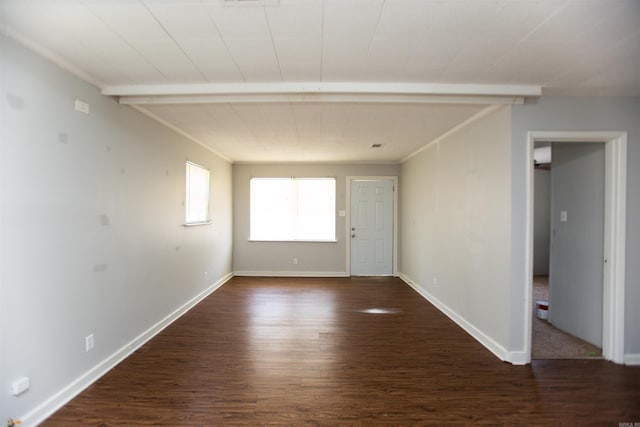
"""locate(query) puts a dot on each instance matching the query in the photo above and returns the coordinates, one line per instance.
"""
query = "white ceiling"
(564, 47)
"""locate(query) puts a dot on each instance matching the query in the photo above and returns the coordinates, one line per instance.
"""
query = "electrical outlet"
(88, 343)
(81, 106)
(295, 260)
(20, 386)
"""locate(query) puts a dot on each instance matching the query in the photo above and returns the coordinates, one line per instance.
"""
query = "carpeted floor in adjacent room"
(549, 342)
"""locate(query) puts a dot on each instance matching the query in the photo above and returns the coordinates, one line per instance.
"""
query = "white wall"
(577, 114)
(92, 242)
(455, 226)
(541, 229)
(273, 258)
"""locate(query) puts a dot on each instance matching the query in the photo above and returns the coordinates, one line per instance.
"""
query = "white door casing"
(614, 235)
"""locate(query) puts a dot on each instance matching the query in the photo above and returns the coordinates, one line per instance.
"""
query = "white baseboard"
(632, 359)
(291, 273)
(58, 400)
(518, 358)
(476, 333)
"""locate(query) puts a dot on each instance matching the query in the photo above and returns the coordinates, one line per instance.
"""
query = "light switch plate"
(89, 343)
(563, 216)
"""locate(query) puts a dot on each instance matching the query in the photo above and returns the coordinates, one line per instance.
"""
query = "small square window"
(197, 200)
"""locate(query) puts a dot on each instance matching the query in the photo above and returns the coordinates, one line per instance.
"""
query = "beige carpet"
(548, 342)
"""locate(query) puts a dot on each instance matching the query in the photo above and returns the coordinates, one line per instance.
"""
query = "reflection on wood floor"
(340, 351)
(549, 342)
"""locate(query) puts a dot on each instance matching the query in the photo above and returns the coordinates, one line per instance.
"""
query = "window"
(197, 200)
(286, 209)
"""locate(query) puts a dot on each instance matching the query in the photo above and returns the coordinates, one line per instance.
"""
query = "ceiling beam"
(323, 92)
(316, 98)
(324, 87)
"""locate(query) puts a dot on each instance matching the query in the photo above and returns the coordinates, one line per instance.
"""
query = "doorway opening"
(372, 226)
(613, 261)
(568, 250)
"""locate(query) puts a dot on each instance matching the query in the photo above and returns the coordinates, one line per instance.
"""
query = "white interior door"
(576, 267)
(371, 228)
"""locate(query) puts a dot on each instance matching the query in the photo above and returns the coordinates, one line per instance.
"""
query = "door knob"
(353, 235)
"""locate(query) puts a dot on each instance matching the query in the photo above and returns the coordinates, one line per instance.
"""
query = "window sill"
(293, 241)
(192, 224)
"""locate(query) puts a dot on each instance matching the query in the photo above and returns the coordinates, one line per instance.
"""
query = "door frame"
(614, 234)
(347, 222)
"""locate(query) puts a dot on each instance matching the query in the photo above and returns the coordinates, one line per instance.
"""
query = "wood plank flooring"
(329, 352)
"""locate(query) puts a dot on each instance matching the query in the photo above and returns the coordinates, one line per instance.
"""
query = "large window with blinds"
(293, 209)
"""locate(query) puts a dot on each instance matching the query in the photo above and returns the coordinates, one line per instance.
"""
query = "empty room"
(319, 212)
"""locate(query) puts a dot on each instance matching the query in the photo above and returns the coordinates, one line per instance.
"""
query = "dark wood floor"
(312, 352)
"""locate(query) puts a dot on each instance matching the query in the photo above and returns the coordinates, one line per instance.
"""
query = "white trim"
(318, 98)
(179, 131)
(614, 241)
(305, 162)
(58, 400)
(499, 351)
(315, 88)
(347, 222)
(50, 56)
(81, 74)
(195, 224)
(250, 273)
(291, 241)
(485, 111)
(517, 358)
(632, 359)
